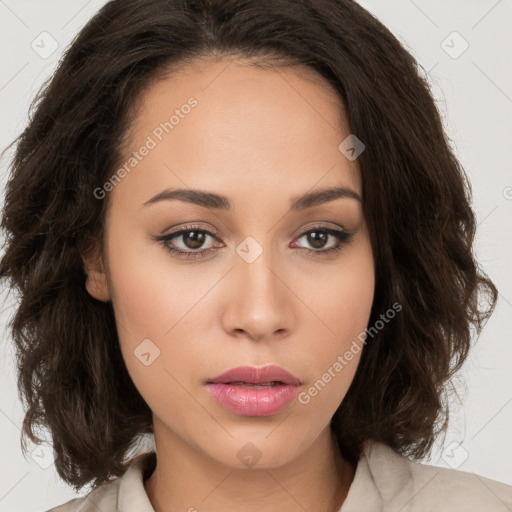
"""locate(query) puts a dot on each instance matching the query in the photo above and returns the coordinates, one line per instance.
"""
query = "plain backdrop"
(464, 47)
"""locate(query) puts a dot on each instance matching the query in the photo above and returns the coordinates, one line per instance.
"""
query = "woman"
(238, 226)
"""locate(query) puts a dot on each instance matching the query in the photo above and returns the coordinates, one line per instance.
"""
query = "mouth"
(252, 391)
(250, 376)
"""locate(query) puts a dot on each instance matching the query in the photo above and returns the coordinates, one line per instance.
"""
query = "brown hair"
(416, 199)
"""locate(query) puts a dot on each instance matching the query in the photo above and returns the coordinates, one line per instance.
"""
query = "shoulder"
(417, 486)
(452, 486)
(103, 498)
(124, 493)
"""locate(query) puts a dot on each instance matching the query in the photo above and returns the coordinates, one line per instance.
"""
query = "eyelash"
(343, 238)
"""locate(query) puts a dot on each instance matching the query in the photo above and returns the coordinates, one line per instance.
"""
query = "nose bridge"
(261, 302)
(255, 266)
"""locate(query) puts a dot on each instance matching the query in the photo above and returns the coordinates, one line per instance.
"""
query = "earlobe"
(96, 278)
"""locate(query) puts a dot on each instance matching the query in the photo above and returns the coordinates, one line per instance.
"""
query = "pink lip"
(257, 375)
(248, 400)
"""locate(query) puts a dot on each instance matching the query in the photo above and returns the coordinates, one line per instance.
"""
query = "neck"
(184, 479)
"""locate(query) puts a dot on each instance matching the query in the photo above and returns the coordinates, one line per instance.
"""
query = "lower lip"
(248, 401)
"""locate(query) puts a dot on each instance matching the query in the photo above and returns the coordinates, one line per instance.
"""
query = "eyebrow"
(215, 201)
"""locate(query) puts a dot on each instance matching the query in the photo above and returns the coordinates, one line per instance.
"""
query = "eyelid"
(321, 224)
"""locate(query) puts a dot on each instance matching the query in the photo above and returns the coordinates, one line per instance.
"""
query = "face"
(269, 280)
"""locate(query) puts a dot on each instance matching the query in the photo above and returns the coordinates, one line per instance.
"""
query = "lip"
(253, 398)
(253, 375)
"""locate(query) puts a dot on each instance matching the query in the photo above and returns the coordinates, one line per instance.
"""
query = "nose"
(259, 303)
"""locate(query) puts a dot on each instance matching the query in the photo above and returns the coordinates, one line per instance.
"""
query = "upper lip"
(253, 375)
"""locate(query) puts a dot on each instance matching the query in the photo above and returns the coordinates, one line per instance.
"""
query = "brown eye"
(192, 240)
(319, 237)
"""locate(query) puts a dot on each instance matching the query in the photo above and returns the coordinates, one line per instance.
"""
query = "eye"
(317, 237)
(193, 238)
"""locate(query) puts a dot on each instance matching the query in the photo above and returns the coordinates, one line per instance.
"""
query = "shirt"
(384, 481)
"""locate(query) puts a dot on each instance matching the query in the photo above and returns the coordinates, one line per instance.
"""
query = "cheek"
(342, 297)
(350, 301)
(151, 299)
(150, 294)
(158, 300)
(342, 311)
(142, 296)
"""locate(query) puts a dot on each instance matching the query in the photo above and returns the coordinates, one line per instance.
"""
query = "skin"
(259, 137)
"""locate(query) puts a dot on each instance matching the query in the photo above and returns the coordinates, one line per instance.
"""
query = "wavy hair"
(416, 200)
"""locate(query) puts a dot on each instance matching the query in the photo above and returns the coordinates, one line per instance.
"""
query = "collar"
(382, 477)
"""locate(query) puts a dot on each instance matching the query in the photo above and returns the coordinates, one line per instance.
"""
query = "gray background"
(473, 92)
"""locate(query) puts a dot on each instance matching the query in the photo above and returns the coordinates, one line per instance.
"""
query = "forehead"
(248, 127)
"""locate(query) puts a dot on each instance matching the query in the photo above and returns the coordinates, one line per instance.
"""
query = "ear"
(96, 278)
